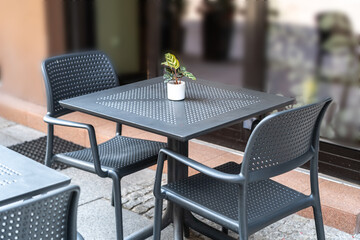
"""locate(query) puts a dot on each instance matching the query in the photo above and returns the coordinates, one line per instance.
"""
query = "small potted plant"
(173, 73)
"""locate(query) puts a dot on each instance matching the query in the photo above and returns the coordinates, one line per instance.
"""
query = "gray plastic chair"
(72, 75)
(242, 197)
(49, 216)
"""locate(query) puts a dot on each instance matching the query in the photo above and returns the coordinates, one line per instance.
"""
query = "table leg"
(172, 214)
(176, 169)
(176, 172)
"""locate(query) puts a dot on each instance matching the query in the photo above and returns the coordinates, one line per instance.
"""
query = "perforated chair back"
(283, 141)
(49, 216)
(76, 74)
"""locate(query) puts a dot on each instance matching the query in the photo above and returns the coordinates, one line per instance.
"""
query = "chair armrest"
(231, 178)
(66, 123)
(92, 137)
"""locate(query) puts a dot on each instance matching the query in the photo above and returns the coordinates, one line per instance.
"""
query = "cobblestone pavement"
(139, 198)
(96, 216)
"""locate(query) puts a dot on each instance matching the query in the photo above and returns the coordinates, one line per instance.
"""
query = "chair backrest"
(283, 141)
(49, 216)
(76, 74)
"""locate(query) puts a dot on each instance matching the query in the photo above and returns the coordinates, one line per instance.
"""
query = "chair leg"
(79, 236)
(186, 231)
(112, 197)
(157, 218)
(49, 145)
(319, 222)
(118, 206)
(243, 234)
(243, 231)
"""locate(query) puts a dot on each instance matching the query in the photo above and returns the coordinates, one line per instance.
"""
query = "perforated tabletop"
(208, 106)
(21, 177)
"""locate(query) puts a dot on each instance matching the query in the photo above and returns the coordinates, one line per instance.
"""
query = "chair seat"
(117, 153)
(220, 199)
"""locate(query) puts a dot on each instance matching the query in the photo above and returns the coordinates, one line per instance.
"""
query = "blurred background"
(303, 49)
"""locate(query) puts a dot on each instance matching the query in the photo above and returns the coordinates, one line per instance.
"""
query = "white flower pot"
(176, 92)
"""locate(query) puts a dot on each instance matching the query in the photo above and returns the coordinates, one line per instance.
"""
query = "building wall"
(23, 45)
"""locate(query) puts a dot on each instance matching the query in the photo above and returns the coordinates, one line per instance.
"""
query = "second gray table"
(21, 177)
(208, 106)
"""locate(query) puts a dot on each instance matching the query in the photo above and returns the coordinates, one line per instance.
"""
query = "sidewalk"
(96, 218)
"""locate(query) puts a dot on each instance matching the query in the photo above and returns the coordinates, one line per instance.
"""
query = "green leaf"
(167, 79)
(168, 70)
(165, 64)
(166, 75)
(171, 61)
(179, 74)
(183, 69)
(189, 75)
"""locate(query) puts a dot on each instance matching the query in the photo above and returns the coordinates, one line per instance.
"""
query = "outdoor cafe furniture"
(77, 74)
(36, 202)
(208, 106)
(52, 215)
(21, 177)
(242, 197)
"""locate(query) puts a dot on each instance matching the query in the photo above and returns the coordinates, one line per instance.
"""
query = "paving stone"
(131, 188)
(21, 132)
(297, 227)
(8, 141)
(145, 198)
(124, 191)
(141, 209)
(150, 203)
(150, 213)
(293, 227)
(124, 200)
(132, 203)
(196, 236)
(135, 195)
(148, 189)
(92, 186)
(96, 220)
(5, 123)
(142, 178)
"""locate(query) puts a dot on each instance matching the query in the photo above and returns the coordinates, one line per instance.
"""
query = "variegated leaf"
(189, 75)
(168, 70)
(165, 64)
(166, 75)
(167, 79)
(172, 61)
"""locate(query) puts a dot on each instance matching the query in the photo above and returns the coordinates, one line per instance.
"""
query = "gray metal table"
(22, 178)
(208, 106)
